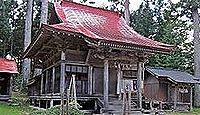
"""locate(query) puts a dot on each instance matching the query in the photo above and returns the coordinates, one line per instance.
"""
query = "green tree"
(190, 9)
(163, 24)
(6, 25)
(142, 20)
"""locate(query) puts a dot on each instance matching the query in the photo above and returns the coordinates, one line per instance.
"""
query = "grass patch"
(18, 106)
(195, 111)
(6, 109)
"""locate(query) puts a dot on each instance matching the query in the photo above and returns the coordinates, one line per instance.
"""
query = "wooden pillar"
(51, 103)
(46, 83)
(175, 97)
(119, 79)
(93, 83)
(10, 88)
(53, 82)
(140, 78)
(191, 98)
(106, 81)
(90, 76)
(42, 84)
(168, 92)
(62, 81)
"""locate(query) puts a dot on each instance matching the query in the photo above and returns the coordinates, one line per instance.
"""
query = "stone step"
(128, 113)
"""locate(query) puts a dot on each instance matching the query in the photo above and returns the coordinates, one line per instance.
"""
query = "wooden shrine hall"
(7, 70)
(97, 46)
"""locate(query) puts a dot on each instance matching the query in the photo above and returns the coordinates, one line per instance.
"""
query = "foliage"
(19, 98)
(8, 23)
(142, 20)
(161, 22)
(57, 109)
(6, 109)
(195, 111)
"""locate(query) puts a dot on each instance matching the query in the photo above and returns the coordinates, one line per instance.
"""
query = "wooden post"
(68, 98)
(53, 82)
(175, 97)
(10, 88)
(140, 77)
(129, 102)
(90, 72)
(74, 90)
(62, 82)
(191, 98)
(124, 103)
(106, 81)
(42, 84)
(119, 76)
(93, 83)
(51, 103)
(46, 83)
(151, 105)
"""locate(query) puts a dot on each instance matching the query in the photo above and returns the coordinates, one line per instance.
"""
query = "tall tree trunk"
(27, 39)
(44, 12)
(127, 11)
(196, 41)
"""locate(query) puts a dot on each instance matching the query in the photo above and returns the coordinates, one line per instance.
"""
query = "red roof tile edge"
(8, 66)
(88, 30)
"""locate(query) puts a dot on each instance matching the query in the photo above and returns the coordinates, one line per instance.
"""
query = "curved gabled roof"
(175, 75)
(8, 66)
(100, 24)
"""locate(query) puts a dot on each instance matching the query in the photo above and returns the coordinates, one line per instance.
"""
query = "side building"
(169, 88)
(8, 68)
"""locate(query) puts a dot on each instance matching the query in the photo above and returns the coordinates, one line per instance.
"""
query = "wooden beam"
(51, 58)
(88, 56)
(47, 47)
(46, 83)
(175, 97)
(93, 83)
(62, 81)
(51, 103)
(42, 84)
(106, 81)
(191, 89)
(90, 77)
(53, 82)
(140, 77)
(62, 42)
(119, 76)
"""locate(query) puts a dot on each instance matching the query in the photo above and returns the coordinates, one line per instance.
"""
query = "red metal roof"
(100, 24)
(8, 66)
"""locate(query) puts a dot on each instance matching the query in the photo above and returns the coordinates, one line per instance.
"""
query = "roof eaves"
(172, 80)
(126, 46)
(28, 49)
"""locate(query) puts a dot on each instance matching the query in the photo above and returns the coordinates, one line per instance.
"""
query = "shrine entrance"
(4, 84)
(81, 77)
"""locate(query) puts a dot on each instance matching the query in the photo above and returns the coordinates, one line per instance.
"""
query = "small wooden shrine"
(7, 69)
(95, 45)
(168, 88)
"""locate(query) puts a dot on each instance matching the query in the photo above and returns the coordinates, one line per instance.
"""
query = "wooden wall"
(151, 88)
(98, 80)
(112, 81)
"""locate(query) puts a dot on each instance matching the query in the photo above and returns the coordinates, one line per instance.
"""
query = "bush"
(56, 110)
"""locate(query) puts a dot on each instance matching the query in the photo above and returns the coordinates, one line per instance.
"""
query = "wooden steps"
(115, 108)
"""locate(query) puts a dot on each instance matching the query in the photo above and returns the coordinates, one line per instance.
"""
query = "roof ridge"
(84, 5)
(165, 68)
